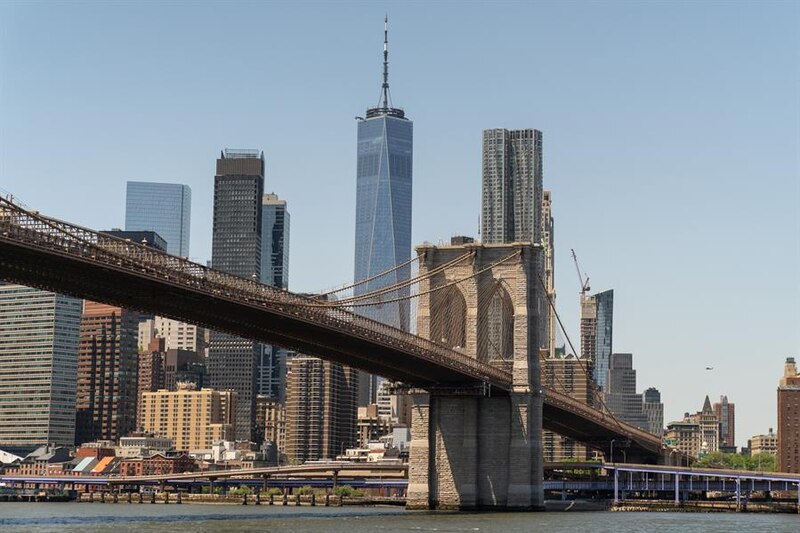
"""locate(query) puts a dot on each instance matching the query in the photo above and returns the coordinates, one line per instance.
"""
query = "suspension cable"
(337, 304)
(405, 283)
(367, 280)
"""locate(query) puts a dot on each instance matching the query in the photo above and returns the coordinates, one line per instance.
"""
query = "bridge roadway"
(54, 255)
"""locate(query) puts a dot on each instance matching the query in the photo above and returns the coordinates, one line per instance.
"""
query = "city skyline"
(699, 250)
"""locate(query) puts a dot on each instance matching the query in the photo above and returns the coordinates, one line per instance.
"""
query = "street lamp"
(612, 450)
(624, 456)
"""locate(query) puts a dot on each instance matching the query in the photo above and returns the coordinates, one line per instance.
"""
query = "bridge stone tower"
(472, 447)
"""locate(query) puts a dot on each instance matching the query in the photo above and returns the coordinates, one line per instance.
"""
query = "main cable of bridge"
(344, 302)
(349, 287)
(587, 374)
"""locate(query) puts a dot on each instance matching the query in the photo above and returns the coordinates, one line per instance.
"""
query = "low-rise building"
(157, 464)
(764, 443)
(143, 445)
(685, 435)
(38, 461)
(372, 425)
(97, 449)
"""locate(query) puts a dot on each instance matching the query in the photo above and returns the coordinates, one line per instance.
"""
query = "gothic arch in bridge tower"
(449, 322)
(496, 330)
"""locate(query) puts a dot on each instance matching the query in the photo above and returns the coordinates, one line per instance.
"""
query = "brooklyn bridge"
(478, 406)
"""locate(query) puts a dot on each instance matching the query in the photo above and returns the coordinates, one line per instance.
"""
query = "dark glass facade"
(236, 249)
(275, 242)
(605, 326)
(274, 271)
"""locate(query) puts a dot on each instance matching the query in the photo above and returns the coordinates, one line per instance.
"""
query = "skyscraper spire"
(384, 107)
(385, 89)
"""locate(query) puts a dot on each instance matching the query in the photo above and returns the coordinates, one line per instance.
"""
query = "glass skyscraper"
(274, 242)
(275, 272)
(39, 338)
(383, 209)
(161, 207)
(236, 249)
(603, 336)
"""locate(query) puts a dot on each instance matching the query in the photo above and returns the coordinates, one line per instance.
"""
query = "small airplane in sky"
(709, 368)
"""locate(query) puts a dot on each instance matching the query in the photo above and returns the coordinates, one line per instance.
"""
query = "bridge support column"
(471, 449)
(471, 452)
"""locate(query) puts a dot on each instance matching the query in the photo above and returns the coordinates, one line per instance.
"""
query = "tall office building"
(320, 409)
(39, 337)
(726, 414)
(165, 208)
(597, 324)
(653, 409)
(511, 206)
(275, 272)
(512, 200)
(236, 249)
(383, 209)
(588, 314)
(620, 394)
(603, 346)
(274, 241)
(107, 373)
(789, 419)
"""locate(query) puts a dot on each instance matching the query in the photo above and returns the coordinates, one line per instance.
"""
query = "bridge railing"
(122, 254)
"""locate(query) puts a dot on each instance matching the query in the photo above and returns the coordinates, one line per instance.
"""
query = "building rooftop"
(240, 153)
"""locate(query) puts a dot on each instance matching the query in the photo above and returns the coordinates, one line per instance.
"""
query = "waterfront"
(52, 517)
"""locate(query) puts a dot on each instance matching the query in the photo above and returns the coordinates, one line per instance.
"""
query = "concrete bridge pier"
(470, 452)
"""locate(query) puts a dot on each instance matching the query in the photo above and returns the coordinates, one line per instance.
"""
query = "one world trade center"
(383, 212)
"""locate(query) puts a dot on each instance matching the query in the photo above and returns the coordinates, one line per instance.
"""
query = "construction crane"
(584, 282)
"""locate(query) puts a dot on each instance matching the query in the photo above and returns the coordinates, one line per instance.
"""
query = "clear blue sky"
(671, 145)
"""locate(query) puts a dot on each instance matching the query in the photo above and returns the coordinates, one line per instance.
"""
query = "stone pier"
(473, 448)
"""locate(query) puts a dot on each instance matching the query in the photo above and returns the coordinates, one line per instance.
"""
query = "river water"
(139, 518)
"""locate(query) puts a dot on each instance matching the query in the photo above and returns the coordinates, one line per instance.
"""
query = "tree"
(734, 461)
